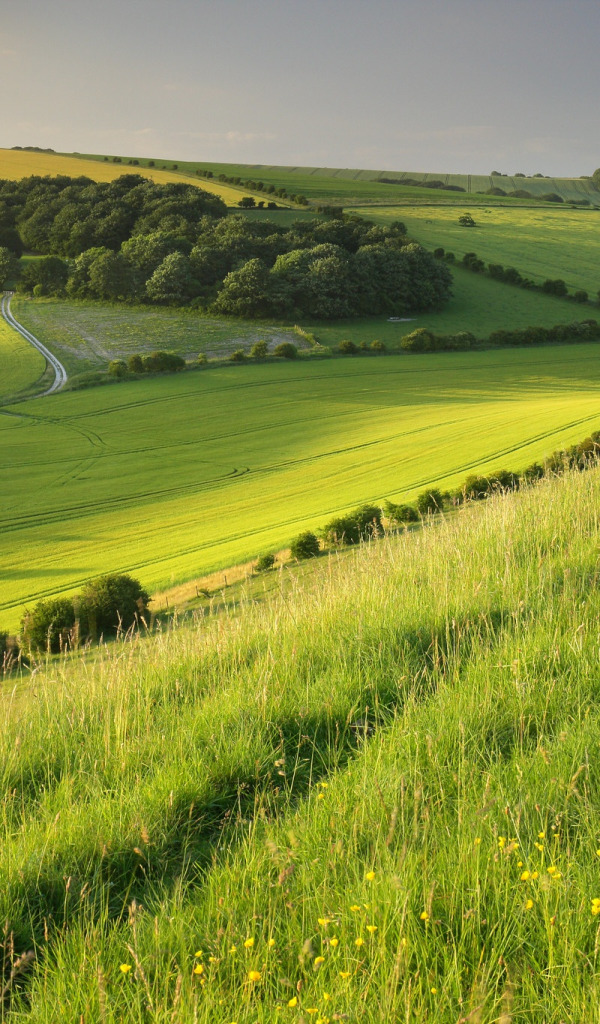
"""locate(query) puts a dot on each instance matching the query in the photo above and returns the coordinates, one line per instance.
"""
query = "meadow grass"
(86, 335)
(541, 243)
(177, 476)
(21, 365)
(375, 798)
(17, 164)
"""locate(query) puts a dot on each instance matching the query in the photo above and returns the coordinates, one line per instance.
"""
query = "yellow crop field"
(18, 163)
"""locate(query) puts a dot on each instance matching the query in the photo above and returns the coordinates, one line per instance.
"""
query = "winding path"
(60, 374)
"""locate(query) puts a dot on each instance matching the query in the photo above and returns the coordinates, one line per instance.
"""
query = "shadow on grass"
(196, 830)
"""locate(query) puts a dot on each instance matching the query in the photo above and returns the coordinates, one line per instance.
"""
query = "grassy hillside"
(540, 243)
(179, 475)
(378, 799)
(350, 186)
(16, 164)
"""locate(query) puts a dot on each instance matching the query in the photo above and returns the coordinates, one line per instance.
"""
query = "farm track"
(60, 374)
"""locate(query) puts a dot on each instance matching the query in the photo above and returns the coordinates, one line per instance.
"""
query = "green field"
(172, 477)
(86, 335)
(376, 799)
(540, 243)
(21, 365)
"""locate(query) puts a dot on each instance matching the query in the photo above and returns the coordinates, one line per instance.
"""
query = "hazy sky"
(433, 85)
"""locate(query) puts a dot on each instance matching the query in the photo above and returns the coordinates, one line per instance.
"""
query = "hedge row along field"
(155, 478)
(376, 799)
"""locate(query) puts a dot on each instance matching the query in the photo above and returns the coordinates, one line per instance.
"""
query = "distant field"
(16, 164)
(87, 335)
(540, 243)
(173, 477)
(21, 365)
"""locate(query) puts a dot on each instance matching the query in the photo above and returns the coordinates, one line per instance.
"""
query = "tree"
(172, 280)
(111, 604)
(397, 514)
(466, 221)
(368, 520)
(347, 348)
(110, 276)
(245, 292)
(49, 626)
(247, 203)
(8, 265)
(117, 368)
(264, 562)
(259, 350)
(135, 364)
(306, 545)
(420, 340)
(429, 501)
(49, 272)
(342, 530)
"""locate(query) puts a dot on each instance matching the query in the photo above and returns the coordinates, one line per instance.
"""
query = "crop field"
(540, 243)
(16, 164)
(177, 476)
(21, 365)
(86, 335)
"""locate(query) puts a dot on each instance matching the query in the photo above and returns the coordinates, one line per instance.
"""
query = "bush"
(306, 545)
(397, 514)
(342, 530)
(466, 221)
(554, 286)
(238, 356)
(265, 562)
(117, 368)
(368, 520)
(112, 603)
(49, 626)
(259, 350)
(286, 350)
(429, 501)
(420, 340)
(581, 295)
(135, 364)
(378, 346)
(201, 360)
(347, 348)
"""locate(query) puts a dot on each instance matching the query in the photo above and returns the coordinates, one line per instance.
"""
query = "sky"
(465, 86)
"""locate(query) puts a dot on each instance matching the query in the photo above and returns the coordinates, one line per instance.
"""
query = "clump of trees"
(424, 340)
(153, 362)
(107, 606)
(510, 275)
(131, 240)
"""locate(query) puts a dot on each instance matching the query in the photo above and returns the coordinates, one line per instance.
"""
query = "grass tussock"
(376, 798)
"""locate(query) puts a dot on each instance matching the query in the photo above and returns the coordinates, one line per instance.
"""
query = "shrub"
(286, 350)
(259, 350)
(397, 514)
(112, 603)
(420, 340)
(378, 346)
(581, 295)
(342, 530)
(306, 545)
(554, 286)
(347, 348)
(238, 356)
(368, 520)
(439, 253)
(201, 360)
(429, 501)
(265, 562)
(466, 221)
(49, 626)
(135, 364)
(117, 368)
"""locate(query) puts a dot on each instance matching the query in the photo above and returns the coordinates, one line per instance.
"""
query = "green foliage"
(112, 604)
(286, 350)
(466, 221)
(264, 562)
(347, 348)
(397, 514)
(135, 363)
(117, 368)
(259, 350)
(554, 287)
(429, 501)
(9, 266)
(49, 626)
(305, 545)
(49, 273)
(420, 340)
(237, 356)
(378, 346)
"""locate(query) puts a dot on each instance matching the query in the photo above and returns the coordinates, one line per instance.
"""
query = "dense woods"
(131, 240)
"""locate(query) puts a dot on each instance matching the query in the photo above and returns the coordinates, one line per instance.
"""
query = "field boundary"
(60, 374)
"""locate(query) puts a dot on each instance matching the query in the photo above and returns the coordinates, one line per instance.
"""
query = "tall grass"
(372, 757)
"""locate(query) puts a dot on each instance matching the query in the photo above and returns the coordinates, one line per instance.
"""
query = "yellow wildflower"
(199, 969)
(501, 842)
(333, 943)
(249, 943)
(293, 1002)
(326, 996)
(199, 953)
(212, 960)
(529, 905)
(477, 841)
(535, 874)
(524, 876)
(424, 915)
(324, 921)
(359, 941)
(320, 796)
(125, 968)
(254, 975)
(345, 974)
(372, 928)
(355, 907)
(271, 943)
(434, 991)
(312, 1009)
(370, 875)
(233, 949)
(319, 960)
(541, 835)
(539, 846)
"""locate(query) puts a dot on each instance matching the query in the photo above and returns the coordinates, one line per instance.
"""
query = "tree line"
(174, 251)
(510, 275)
(423, 340)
